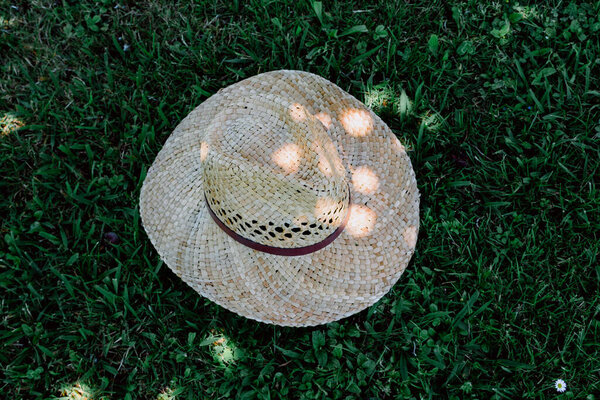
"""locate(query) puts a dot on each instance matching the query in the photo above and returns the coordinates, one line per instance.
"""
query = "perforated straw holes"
(268, 164)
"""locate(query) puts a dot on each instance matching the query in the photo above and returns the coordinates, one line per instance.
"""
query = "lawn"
(497, 102)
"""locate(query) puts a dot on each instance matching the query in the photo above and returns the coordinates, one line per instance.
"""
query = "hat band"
(280, 251)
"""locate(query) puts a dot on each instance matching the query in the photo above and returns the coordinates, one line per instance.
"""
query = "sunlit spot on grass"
(287, 157)
(379, 97)
(6, 23)
(78, 391)
(9, 123)
(527, 12)
(404, 105)
(432, 120)
(222, 348)
(365, 180)
(166, 394)
(361, 220)
(357, 122)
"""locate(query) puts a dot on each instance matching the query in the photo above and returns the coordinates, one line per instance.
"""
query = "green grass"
(498, 102)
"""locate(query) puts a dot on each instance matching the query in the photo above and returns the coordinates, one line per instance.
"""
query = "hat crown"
(273, 175)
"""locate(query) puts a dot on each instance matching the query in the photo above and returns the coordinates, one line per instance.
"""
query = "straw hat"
(283, 199)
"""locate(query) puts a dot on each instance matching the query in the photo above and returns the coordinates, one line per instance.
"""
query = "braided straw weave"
(284, 159)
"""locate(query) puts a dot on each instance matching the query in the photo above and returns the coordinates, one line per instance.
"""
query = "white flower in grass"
(560, 385)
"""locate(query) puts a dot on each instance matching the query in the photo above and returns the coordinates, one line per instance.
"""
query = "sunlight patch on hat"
(297, 112)
(299, 220)
(410, 236)
(329, 161)
(288, 157)
(396, 145)
(365, 180)
(324, 118)
(325, 207)
(204, 147)
(357, 122)
(325, 166)
(361, 221)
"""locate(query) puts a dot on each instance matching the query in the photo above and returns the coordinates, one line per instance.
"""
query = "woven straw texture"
(283, 158)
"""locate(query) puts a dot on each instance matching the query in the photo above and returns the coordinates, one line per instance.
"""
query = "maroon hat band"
(280, 251)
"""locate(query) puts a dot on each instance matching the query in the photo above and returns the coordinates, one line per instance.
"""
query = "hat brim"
(348, 275)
